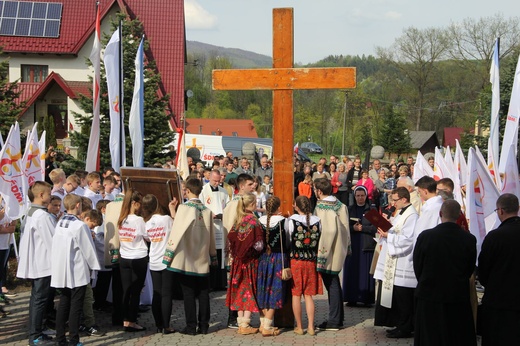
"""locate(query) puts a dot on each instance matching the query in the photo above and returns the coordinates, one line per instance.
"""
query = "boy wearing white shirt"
(94, 186)
(35, 258)
(73, 257)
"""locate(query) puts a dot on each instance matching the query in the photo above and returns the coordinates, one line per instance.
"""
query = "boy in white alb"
(35, 258)
(73, 257)
(94, 186)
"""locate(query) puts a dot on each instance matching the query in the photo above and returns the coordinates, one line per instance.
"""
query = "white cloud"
(392, 15)
(197, 17)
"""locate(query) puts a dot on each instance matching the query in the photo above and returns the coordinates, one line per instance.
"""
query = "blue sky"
(328, 27)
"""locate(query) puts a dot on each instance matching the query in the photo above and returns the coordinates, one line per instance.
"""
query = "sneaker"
(48, 331)
(328, 326)
(94, 331)
(9, 294)
(43, 340)
(232, 324)
(4, 300)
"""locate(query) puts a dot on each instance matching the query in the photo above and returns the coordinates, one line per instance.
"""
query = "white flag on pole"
(510, 182)
(112, 67)
(41, 144)
(510, 140)
(440, 169)
(494, 78)
(182, 156)
(92, 163)
(31, 161)
(421, 168)
(12, 175)
(136, 117)
(481, 196)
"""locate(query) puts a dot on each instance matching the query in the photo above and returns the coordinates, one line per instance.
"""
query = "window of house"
(34, 73)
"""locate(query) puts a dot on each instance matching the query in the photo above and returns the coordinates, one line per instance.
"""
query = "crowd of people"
(369, 235)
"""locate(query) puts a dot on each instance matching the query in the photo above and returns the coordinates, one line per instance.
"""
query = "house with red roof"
(222, 127)
(48, 42)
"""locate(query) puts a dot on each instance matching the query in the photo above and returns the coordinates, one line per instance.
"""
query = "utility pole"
(344, 125)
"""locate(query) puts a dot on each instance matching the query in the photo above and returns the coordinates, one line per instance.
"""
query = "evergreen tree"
(50, 134)
(394, 134)
(157, 133)
(9, 107)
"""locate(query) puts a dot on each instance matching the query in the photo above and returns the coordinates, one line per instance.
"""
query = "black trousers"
(402, 313)
(69, 308)
(333, 286)
(218, 275)
(101, 289)
(163, 283)
(133, 274)
(117, 297)
(194, 287)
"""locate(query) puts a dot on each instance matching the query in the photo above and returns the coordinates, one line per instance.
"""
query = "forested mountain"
(238, 57)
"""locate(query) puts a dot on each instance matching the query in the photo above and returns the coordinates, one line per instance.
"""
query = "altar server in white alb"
(215, 198)
(397, 282)
(35, 258)
(73, 258)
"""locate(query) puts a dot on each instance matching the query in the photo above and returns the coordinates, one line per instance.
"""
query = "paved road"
(359, 329)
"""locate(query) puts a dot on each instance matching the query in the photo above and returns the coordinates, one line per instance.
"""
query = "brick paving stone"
(358, 330)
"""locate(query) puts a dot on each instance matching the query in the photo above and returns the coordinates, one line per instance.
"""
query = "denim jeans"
(37, 306)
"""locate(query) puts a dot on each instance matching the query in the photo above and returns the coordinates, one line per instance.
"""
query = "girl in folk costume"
(158, 227)
(305, 230)
(246, 242)
(134, 257)
(270, 286)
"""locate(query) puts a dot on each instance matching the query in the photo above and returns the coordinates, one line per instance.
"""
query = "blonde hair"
(245, 201)
(57, 175)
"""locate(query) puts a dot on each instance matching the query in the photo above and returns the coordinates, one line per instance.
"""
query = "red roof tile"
(163, 22)
(77, 24)
(71, 88)
(222, 127)
(28, 90)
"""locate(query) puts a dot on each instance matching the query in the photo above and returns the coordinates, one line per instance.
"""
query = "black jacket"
(443, 261)
(498, 268)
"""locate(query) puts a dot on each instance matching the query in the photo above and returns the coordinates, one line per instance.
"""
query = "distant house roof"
(163, 23)
(424, 141)
(222, 127)
(450, 135)
(72, 88)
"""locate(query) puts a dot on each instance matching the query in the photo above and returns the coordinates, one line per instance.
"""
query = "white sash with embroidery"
(387, 288)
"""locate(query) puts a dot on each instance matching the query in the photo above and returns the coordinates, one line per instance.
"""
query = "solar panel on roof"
(27, 18)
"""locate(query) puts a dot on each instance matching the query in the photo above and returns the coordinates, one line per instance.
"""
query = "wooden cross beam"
(283, 78)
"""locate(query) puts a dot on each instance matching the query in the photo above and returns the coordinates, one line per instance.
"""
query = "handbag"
(286, 272)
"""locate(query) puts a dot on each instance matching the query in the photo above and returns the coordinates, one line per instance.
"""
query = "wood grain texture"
(285, 78)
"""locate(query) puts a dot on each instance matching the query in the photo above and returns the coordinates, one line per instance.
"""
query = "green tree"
(10, 109)
(157, 133)
(394, 134)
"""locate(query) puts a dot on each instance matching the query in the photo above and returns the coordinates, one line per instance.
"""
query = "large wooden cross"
(283, 78)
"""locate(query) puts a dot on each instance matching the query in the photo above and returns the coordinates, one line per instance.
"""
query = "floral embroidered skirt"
(270, 286)
(306, 280)
(241, 292)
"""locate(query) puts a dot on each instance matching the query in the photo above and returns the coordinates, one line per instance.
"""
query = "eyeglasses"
(395, 200)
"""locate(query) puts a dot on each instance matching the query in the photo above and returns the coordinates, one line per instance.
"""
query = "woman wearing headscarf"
(358, 283)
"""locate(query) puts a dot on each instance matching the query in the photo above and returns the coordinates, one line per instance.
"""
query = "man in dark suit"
(443, 260)
(499, 273)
